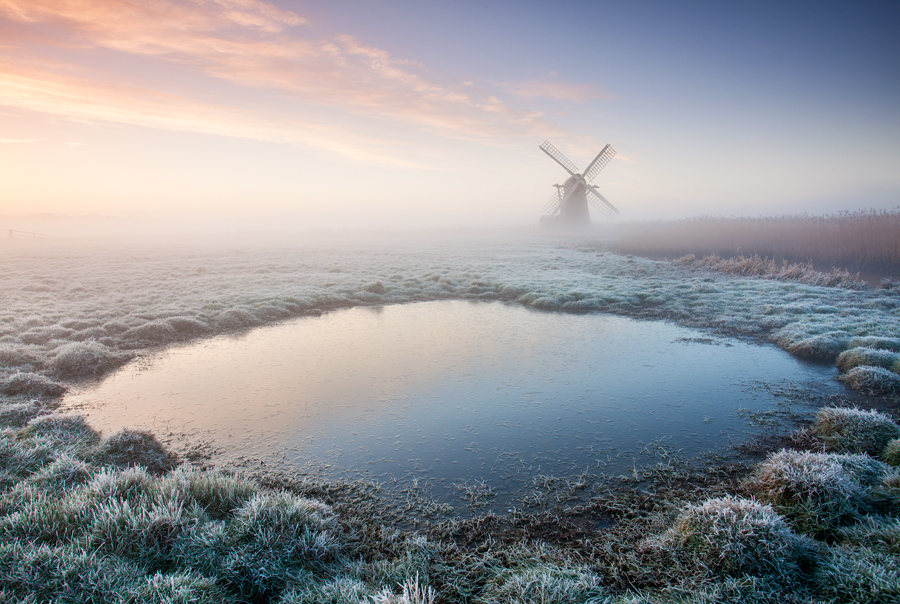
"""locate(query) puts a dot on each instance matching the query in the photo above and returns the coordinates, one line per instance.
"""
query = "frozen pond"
(451, 391)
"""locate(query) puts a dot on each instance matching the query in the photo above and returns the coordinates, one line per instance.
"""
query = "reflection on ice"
(450, 391)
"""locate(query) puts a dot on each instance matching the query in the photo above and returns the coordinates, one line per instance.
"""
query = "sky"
(357, 114)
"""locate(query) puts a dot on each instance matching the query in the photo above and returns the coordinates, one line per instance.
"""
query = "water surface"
(451, 391)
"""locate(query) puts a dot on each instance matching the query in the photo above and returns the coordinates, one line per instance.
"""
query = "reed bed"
(861, 238)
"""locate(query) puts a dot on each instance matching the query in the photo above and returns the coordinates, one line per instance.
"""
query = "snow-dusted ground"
(70, 309)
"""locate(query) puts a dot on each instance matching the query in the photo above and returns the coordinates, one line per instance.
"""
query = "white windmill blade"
(556, 202)
(553, 204)
(558, 157)
(599, 162)
(601, 203)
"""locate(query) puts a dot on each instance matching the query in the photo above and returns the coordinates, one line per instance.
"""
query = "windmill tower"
(569, 205)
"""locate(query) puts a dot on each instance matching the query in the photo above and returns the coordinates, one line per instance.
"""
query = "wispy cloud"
(554, 89)
(85, 99)
(18, 140)
(252, 45)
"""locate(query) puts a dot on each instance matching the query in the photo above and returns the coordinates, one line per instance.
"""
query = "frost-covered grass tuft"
(845, 430)
(879, 533)
(273, 535)
(411, 592)
(858, 574)
(180, 588)
(218, 495)
(63, 474)
(144, 530)
(188, 326)
(375, 287)
(818, 492)
(17, 357)
(236, 318)
(872, 380)
(730, 536)
(32, 385)
(546, 583)
(879, 343)
(20, 457)
(19, 414)
(150, 334)
(341, 590)
(79, 360)
(824, 347)
(868, 356)
(134, 448)
(64, 429)
(891, 453)
(32, 573)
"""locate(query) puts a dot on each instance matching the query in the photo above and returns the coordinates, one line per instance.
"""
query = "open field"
(847, 239)
(819, 521)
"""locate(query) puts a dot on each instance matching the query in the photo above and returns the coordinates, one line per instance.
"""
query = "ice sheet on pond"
(451, 391)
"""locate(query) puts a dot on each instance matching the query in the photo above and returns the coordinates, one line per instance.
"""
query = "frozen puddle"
(451, 391)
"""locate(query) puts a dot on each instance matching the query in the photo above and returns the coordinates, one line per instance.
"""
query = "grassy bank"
(854, 239)
(91, 518)
(115, 519)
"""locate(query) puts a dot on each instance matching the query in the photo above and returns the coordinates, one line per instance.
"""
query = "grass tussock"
(64, 430)
(891, 453)
(859, 574)
(544, 583)
(134, 448)
(81, 360)
(875, 357)
(846, 238)
(734, 537)
(850, 430)
(822, 347)
(18, 414)
(32, 385)
(819, 492)
(878, 533)
(872, 380)
(878, 343)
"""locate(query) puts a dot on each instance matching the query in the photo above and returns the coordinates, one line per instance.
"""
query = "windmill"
(569, 205)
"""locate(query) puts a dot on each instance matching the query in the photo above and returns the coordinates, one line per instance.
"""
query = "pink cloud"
(85, 99)
(252, 45)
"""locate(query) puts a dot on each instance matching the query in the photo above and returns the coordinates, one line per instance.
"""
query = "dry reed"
(865, 237)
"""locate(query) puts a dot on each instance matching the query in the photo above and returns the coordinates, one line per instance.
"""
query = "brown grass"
(864, 237)
(756, 266)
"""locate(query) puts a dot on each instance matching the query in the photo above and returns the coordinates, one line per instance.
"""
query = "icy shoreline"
(71, 312)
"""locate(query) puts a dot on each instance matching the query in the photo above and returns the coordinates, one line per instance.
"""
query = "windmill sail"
(559, 198)
(559, 158)
(599, 162)
(601, 203)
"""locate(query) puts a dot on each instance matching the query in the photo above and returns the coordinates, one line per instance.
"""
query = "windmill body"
(569, 205)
